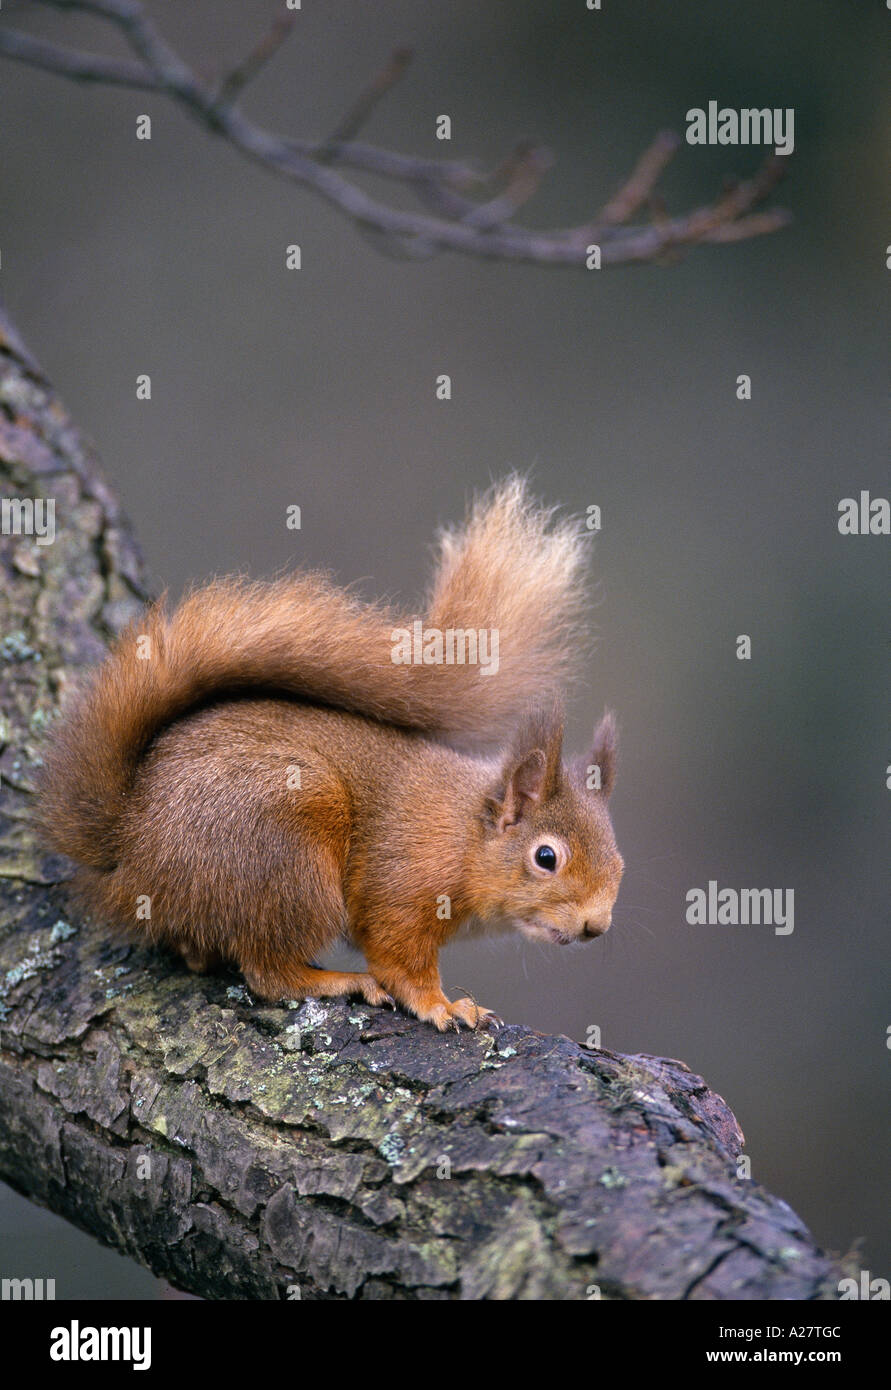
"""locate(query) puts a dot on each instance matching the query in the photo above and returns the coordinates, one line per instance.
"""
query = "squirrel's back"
(511, 571)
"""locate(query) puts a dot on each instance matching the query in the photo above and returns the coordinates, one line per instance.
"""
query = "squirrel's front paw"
(451, 1014)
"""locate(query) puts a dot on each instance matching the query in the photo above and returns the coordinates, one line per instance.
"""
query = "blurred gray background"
(619, 388)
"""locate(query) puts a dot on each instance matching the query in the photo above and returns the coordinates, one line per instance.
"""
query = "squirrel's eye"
(546, 858)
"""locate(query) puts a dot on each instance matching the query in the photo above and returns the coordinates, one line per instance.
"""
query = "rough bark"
(245, 1151)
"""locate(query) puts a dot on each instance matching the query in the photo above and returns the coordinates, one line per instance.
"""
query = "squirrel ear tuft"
(532, 767)
(523, 786)
(603, 752)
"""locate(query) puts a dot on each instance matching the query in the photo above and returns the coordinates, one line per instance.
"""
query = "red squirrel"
(277, 765)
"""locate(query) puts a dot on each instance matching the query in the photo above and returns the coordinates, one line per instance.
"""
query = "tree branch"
(362, 108)
(259, 56)
(248, 1151)
(484, 230)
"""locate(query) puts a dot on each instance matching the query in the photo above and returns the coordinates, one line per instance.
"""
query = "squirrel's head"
(548, 837)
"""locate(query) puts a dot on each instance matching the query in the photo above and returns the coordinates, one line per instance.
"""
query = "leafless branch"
(259, 56)
(365, 104)
(640, 183)
(482, 226)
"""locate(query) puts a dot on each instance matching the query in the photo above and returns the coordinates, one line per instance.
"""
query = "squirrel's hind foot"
(306, 981)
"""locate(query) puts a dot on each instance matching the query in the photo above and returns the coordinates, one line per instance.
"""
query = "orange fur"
(257, 770)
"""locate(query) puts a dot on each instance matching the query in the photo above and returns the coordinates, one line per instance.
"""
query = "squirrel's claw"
(473, 1015)
(450, 1015)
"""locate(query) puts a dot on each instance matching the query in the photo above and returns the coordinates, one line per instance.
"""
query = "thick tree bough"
(328, 1150)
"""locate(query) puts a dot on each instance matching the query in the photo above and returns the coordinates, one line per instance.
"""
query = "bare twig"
(233, 84)
(459, 222)
(364, 105)
(81, 67)
(524, 173)
(639, 185)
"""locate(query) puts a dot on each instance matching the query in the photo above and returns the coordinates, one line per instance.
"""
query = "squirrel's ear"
(603, 754)
(532, 767)
(521, 790)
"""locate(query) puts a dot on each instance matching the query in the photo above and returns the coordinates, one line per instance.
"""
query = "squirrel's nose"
(597, 926)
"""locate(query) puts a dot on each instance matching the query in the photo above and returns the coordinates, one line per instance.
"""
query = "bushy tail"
(513, 568)
(510, 570)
